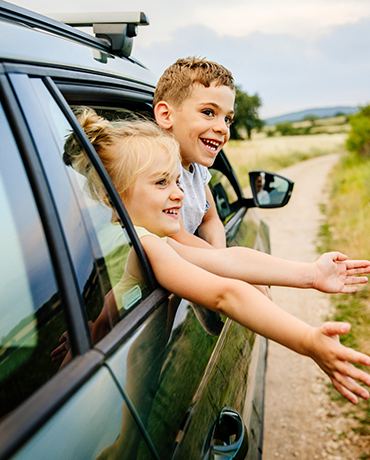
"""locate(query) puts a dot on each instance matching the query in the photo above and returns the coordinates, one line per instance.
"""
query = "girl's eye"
(179, 185)
(161, 182)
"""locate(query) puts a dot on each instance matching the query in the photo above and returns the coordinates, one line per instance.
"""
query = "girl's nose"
(177, 193)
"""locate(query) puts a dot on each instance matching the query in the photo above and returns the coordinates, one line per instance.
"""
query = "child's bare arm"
(246, 305)
(332, 272)
(211, 229)
(188, 239)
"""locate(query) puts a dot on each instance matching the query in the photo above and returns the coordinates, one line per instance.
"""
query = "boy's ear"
(162, 113)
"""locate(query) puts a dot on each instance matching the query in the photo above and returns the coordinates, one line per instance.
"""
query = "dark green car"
(168, 379)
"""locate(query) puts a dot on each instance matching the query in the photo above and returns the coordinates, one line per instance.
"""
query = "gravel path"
(300, 420)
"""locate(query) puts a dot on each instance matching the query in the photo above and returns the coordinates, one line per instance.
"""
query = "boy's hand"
(335, 360)
(334, 273)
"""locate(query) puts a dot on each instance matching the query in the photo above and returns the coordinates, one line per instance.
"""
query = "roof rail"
(16, 14)
(118, 28)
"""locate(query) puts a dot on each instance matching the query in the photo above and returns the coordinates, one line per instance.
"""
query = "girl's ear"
(162, 113)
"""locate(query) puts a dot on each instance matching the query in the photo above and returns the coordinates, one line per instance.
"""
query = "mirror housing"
(270, 190)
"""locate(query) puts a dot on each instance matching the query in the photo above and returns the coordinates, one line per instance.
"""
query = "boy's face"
(155, 199)
(201, 124)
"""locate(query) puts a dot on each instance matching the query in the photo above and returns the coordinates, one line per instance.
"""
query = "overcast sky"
(295, 54)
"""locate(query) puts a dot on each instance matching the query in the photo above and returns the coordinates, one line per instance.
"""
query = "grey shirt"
(195, 203)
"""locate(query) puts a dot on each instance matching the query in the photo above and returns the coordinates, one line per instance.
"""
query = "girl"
(142, 161)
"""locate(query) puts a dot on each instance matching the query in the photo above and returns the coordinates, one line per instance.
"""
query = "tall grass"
(346, 229)
(274, 153)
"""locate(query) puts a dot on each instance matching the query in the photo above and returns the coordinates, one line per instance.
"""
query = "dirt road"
(300, 420)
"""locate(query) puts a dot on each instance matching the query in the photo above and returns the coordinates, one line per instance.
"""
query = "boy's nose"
(220, 126)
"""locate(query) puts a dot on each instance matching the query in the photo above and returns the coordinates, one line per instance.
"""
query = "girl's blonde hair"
(127, 148)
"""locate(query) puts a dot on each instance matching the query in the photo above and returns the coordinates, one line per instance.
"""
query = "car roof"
(23, 43)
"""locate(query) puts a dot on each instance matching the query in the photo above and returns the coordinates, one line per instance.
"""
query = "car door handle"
(227, 438)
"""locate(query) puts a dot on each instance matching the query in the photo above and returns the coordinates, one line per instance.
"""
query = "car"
(167, 380)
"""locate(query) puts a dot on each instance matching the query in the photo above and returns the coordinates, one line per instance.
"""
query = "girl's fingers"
(351, 386)
(344, 392)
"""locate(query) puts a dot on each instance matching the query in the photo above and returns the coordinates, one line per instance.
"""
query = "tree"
(359, 137)
(286, 129)
(311, 118)
(246, 114)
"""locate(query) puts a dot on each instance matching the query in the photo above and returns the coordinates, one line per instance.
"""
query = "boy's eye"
(229, 121)
(208, 112)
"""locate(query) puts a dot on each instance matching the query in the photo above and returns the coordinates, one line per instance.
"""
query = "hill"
(319, 113)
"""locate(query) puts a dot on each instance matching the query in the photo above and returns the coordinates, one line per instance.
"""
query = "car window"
(119, 271)
(111, 281)
(31, 317)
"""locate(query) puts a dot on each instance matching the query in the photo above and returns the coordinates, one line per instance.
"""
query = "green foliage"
(287, 129)
(311, 118)
(359, 138)
(246, 114)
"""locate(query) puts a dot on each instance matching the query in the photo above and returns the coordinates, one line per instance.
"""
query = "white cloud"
(295, 54)
(303, 19)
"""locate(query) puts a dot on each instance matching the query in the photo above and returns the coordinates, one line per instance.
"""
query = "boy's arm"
(246, 305)
(332, 272)
(211, 229)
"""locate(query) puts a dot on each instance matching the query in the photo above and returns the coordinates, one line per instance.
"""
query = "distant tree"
(286, 129)
(311, 118)
(359, 137)
(246, 115)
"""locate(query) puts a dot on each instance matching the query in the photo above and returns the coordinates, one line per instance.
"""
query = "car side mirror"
(270, 190)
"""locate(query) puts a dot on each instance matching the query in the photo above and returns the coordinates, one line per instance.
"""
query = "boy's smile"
(201, 124)
(155, 200)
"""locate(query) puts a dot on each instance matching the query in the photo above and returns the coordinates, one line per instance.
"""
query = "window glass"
(223, 194)
(31, 318)
(120, 276)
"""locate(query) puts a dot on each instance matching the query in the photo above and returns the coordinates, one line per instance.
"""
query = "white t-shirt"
(195, 203)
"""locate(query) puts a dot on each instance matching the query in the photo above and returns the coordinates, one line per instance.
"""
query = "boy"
(194, 99)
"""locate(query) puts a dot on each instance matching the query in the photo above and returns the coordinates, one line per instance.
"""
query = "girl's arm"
(332, 272)
(246, 305)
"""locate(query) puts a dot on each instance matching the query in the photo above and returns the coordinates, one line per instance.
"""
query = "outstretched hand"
(335, 360)
(334, 273)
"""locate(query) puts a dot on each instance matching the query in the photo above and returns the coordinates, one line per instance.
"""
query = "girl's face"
(155, 199)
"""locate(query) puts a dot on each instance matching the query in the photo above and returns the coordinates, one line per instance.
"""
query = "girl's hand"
(61, 351)
(335, 360)
(334, 273)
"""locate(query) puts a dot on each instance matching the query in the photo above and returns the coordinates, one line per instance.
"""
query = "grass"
(346, 227)
(274, 153)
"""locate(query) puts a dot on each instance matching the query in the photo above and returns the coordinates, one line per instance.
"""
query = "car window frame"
(39, 407)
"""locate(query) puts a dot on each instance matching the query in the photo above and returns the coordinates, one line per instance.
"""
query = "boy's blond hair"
(127, 148)
(177, 81)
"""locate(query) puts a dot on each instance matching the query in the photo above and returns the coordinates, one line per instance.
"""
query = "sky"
(295, 54)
